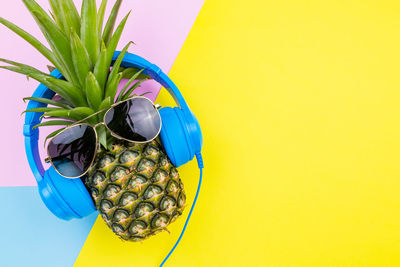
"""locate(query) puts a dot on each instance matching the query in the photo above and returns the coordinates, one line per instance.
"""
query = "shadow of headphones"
(68, 198)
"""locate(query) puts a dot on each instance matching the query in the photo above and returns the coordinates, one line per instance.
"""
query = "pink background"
(159, 29)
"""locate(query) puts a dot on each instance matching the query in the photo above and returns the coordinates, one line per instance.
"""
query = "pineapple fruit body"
(136, 189)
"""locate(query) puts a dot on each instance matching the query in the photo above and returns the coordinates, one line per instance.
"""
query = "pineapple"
(135, 187)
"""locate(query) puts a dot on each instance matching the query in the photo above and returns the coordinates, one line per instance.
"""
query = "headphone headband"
(155, 72)
(33, 118)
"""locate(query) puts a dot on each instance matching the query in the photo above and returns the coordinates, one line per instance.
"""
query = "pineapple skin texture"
(136, 189)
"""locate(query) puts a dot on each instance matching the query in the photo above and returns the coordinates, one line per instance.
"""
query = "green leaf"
(55, 37)
(42, 109)
(32, 6)
(102, 135)
(66, 114)
(72, 92)
(101, 69)
(105, 103)
(114, 73)
(20, 65)
(131, 80)
(84, 114)
(110, 142)
(115, 39)
(60, 45)
(33, 41)
(93, 91)
(145, 93)
(61, 100)
(103, 106)
(66, 16)
(65, 89)
(27, 68)
(83, 111)
(100, 18)
(53, 123)
(54, 18)
(89, 29)
(80, 57)
(109, 28)
(47, 101)
(112, 87)
(127, 73)
(129, 92)
(74, 114)
(71, 15)
(58, 16)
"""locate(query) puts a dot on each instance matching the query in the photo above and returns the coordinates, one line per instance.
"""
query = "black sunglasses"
(73, 150)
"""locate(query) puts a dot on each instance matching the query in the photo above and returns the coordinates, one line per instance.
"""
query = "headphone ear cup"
(65, 198)
(174, 136)
(52, 199)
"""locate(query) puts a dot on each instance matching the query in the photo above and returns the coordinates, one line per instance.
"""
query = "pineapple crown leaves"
(82, 50)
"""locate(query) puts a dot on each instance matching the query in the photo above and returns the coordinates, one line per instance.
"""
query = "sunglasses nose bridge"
(109, 130)
(98, 124)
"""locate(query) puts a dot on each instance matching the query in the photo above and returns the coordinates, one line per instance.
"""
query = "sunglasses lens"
(136, 120)
(72, 151)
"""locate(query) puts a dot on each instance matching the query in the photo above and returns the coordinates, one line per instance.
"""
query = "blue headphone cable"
(201, 166)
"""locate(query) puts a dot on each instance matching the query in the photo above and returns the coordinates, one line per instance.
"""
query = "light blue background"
(31, 236)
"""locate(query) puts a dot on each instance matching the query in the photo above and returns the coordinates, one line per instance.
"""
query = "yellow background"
(299, 102)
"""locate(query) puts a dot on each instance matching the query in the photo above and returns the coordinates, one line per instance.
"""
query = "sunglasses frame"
(78, 123)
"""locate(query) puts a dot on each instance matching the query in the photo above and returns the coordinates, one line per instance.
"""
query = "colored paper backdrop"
(299, 105)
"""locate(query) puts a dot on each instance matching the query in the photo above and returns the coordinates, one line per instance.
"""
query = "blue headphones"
(68, 198)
